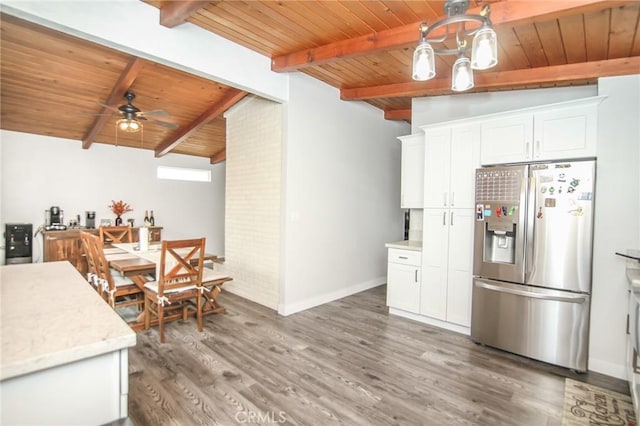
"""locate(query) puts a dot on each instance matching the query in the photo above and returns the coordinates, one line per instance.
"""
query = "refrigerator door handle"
(637, 320)
(577, 298)
(531, 228)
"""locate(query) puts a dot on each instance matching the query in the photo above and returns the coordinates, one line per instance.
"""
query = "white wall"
(134, 27)
(40, 171)
(253, 200)
(437, 109)
(342, 195)
(617, 220)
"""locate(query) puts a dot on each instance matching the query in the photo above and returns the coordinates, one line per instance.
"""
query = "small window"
(178, 173)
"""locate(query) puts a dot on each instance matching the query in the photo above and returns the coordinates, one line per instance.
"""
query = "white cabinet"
(403, 279)
(412, 176)
(452, 153)
(506, 140)
(447, 259)
(451, 157)
(564, 133)
(557, 132)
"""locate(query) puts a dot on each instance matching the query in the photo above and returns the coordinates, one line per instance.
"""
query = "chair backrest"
(87, 248)
(94, 247)
(180, 264)
(115, 234)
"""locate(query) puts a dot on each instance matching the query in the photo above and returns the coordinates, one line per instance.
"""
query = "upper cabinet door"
(554, 132)
(412, 176)
(506, 140)
(437, 158)
(465, 159)
(565, 133)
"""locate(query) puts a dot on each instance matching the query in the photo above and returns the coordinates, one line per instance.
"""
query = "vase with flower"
(119, 208)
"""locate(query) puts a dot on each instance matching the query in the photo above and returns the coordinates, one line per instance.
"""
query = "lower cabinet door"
(403, 287)
(460, 266)
(435, 256)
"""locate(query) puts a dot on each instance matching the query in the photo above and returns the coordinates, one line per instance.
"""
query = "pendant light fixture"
(462, 75)
(484, 48)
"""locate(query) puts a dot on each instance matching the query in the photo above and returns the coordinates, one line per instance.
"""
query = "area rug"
(588, 405)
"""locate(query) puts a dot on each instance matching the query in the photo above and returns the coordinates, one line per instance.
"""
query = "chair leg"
(161, 321)
(185, 312)
(199, 311)
(147, 312)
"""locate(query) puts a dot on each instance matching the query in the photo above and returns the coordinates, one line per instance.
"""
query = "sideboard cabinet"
(66, 245)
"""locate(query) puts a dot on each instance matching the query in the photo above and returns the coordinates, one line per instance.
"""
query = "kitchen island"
(632, 266)
(63, 350)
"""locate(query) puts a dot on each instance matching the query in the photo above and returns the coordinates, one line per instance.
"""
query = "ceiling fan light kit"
(130, 125)
(484, 48)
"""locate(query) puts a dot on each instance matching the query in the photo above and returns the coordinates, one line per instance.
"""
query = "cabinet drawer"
(406, 257)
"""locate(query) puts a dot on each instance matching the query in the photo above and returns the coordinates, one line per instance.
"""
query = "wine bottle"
(152, 221)
(146, 218)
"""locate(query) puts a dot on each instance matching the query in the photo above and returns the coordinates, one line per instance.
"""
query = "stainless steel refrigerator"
(532, 260)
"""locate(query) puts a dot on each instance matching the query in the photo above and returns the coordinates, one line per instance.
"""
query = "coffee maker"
(54, 219)
(90, 221)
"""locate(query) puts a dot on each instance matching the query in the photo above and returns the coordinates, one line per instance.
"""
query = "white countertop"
(406, 245)
(49, 316)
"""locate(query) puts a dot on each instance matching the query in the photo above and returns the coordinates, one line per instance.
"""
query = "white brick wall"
(253, 191)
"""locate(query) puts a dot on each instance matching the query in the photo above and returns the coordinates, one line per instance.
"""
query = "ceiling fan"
(130, 115)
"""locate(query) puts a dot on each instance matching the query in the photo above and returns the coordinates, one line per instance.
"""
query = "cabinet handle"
(453, 195)
(444, 218)
(451, 219)
(538, 148)
(403, 257)
(416, 275)
(526, 150)
(444, 199)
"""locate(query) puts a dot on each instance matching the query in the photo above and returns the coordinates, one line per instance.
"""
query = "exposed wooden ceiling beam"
(215, 110)
(397, 114)
(125, 81)
(219, 157)
(174, 13)
(504, 79)
(502, 13)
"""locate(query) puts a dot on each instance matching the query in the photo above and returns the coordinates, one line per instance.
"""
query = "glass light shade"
(484, 51)
(462, 75)
(424, 67)
(129, 125)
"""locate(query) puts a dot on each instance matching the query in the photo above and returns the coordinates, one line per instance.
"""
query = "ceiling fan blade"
(171, 126)
(154, 112)
(108, 106)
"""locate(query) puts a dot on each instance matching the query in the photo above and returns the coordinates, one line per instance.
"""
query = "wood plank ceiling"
(362, 47)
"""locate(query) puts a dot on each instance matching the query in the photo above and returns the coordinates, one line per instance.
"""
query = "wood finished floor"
(347, 362)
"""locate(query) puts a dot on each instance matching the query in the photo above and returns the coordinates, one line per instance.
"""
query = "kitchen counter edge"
(405, 245)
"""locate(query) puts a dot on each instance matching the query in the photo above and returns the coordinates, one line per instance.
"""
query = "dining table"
(142, 266)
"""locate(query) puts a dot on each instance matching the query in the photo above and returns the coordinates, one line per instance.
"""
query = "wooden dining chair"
(116, 290)
(115, 234)
(179, 281)
(92, 269)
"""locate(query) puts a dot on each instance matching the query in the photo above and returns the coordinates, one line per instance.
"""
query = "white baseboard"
(292, 308)
(608, 368)
(431, 321)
